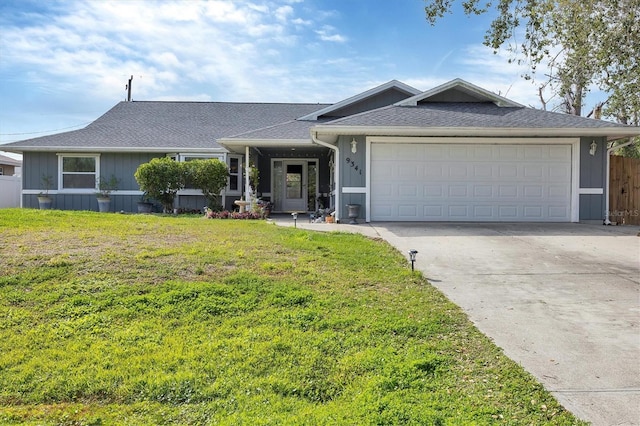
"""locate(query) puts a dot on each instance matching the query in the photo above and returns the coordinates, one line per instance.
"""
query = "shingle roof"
(484, 114)
(294, 129)
(170, 125)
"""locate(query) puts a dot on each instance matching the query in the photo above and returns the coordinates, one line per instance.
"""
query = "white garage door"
(474, 182)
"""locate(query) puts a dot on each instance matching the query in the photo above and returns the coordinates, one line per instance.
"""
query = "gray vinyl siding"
(591, 207)
(352, 174)
(352, 199)
(352, 166)
(592, 167)
(121, 165)
(592, 175)
(37, 164)
(124, 166)
(382, 99)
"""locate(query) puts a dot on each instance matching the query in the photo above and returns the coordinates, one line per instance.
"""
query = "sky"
(65, 63)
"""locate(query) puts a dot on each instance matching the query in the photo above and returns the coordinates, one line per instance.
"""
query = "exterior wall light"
(412, 257)
(593, 147)
(354, 145)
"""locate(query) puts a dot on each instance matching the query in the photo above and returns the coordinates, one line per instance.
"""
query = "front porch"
(296, 179)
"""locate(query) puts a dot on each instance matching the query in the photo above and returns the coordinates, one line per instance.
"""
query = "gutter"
(607, 216)
(336, 150)
(611, 133)
(153, 150)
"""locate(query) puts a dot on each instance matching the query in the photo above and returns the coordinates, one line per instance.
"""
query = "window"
(78, 171)
(1, 171)
(234, 163)
(235, 174)
(190, 157)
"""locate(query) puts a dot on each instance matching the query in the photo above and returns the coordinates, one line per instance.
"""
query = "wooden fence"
(624, 194)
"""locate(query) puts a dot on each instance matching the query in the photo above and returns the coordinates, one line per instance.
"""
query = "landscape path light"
(295, 219)
(412, 257)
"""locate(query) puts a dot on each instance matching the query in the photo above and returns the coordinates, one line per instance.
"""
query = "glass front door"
(295, 186)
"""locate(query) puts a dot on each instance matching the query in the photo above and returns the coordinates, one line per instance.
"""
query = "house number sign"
(353, 164)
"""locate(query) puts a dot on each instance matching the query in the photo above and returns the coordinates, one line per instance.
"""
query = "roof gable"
(380, 96)
(458, 91)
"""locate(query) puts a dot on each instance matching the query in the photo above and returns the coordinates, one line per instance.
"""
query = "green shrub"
(210, 176)
(161, 179)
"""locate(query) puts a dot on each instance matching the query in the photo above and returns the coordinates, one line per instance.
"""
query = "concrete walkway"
(562, 300)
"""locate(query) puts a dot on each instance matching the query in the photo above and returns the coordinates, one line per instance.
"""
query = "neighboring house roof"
(167, 126)
(4, 160)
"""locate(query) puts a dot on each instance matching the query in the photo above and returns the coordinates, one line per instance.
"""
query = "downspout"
(336, 179)
(606, 201)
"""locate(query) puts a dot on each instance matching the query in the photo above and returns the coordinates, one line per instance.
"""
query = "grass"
(136, 319)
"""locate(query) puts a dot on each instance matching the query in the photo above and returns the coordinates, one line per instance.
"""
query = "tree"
(210, 176)
(161, 179)
(583, 44)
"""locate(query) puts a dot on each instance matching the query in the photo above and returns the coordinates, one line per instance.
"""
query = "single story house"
(9, 166)
(453, 153)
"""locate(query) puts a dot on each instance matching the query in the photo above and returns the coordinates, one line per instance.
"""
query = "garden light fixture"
(412, 257)
(295, 219)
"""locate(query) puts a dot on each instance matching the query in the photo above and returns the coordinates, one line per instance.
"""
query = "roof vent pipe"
(128, 87)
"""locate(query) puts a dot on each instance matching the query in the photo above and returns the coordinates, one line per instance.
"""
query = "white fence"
(10, 188)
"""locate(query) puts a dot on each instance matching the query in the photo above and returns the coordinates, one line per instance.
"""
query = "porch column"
(247, 187)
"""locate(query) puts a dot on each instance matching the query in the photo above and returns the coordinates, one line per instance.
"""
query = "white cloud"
(301, 22)
(283, 13)
(97, 45)
(328, 33)
(494, 72)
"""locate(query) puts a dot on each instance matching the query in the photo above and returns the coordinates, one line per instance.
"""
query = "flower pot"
(104, 204)
(354, 212)
(45, 203)
(144, 207)
(329, 219)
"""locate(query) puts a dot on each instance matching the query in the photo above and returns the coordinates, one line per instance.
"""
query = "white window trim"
(62, 190)
(238, 191)
(182, 157)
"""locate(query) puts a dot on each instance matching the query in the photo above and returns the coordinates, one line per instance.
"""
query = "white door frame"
(305, 184)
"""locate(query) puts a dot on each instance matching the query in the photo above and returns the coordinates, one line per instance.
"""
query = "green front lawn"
(136, 319)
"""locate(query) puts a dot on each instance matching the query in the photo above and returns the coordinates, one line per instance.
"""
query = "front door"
(295, 186)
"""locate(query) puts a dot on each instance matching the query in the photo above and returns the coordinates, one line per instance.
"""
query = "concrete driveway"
(562, 300)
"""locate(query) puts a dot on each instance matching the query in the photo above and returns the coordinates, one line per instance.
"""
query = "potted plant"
(105, 187)
(145, 205)
(44, 200)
